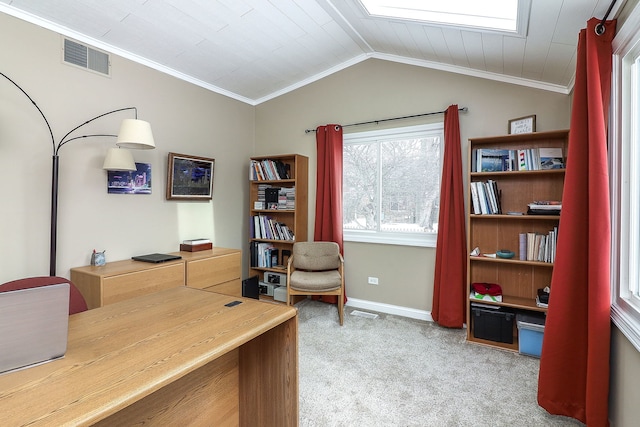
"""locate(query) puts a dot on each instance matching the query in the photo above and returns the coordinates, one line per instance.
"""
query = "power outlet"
(373, 280)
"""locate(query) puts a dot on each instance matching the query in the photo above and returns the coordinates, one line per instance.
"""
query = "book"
(522, 242)
(492, 160)
(522, 160)
(484, 205)
(475, 201)
(551, 158)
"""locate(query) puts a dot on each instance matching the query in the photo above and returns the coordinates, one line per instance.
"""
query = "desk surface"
(122, 352)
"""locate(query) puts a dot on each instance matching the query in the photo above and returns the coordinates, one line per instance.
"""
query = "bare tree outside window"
(391, 181)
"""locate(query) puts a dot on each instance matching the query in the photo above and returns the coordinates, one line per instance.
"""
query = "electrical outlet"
(373, 280)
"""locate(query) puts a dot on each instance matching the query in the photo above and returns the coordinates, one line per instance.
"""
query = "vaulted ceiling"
(255, 50)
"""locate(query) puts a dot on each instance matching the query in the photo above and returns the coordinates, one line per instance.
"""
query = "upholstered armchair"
(316, 268)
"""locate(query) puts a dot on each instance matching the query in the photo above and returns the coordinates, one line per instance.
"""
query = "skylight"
(488, 15)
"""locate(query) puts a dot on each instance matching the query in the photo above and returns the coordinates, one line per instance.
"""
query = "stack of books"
(545, 207)
(195, 245)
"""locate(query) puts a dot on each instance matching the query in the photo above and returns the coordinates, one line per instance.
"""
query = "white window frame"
(624, 155)
(396, 238)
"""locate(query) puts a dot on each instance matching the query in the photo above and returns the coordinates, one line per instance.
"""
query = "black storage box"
(493, 324)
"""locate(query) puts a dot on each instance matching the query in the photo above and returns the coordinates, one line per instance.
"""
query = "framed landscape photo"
(525, 124)
(189, 177)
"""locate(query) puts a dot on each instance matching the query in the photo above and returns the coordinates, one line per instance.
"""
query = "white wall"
(185, 119)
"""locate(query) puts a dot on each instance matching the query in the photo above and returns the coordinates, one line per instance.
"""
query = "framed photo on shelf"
(189, 177)
(525, 124)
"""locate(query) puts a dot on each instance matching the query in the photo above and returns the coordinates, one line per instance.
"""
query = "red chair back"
(77, 303)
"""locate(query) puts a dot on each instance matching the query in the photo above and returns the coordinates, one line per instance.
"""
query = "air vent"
(83, 56)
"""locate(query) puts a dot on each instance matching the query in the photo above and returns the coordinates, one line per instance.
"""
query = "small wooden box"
(196, 248)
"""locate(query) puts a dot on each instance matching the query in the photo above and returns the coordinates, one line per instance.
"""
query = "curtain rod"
(600, 28)
(463, 109)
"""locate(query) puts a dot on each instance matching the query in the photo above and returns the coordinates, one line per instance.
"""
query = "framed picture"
(130, 182)
(525, 124)
(189, 177)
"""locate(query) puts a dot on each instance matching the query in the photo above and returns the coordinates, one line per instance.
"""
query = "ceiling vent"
(86, 57)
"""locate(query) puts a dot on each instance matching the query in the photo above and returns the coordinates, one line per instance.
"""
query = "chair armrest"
(290, 267)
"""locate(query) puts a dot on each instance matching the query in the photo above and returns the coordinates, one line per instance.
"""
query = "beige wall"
(377, 89)
(185, 119)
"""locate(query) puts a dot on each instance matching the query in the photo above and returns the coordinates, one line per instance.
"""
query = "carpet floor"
(395, 371)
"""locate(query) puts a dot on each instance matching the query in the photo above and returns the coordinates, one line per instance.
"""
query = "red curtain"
(328, 225)
(450, 278)
(574, 366)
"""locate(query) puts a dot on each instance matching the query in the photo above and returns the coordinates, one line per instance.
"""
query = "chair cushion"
(317, 281)
(316, 255)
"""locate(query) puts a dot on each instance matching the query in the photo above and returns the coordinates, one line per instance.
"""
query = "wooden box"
(196, 248)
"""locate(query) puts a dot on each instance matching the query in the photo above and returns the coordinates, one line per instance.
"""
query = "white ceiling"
(255, 50)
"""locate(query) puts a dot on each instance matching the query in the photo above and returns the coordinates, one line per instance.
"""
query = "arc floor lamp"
(134, 134)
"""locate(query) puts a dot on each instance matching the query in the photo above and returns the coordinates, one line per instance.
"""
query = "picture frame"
(130, 182)
(189, 177)
(526, 124)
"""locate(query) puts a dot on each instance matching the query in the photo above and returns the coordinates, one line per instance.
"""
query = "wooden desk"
(174, 357)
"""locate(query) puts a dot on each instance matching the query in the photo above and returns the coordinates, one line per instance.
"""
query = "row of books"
(263, 255)
(485, 198)
(265, 227)
(498, 160)
(269, 170)
(538, 247)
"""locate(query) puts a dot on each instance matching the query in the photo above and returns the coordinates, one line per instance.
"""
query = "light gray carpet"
(395, 371)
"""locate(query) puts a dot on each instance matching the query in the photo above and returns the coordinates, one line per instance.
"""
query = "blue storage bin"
(530, 334)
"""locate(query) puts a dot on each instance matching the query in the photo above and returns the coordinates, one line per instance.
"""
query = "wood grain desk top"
(122, 352)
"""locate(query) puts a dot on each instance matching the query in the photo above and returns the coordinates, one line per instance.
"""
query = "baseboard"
(397, 310)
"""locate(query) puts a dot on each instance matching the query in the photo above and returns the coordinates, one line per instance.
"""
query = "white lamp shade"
(135, 134)
(119, 160)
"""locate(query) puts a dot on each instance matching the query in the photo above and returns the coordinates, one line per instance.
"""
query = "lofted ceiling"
(255, 50)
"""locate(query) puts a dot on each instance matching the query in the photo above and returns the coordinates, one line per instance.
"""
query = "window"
(391, 185)
(508, 16)
(625, 180)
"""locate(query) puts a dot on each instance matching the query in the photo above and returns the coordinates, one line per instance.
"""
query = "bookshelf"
(278, 219)
(519, 279)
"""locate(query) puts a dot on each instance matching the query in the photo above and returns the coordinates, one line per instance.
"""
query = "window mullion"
(379, 187)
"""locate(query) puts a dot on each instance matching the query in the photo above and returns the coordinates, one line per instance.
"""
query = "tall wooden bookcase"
(295, 216)
(519, 279)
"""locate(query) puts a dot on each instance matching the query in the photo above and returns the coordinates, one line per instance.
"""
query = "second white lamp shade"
(118, 159)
